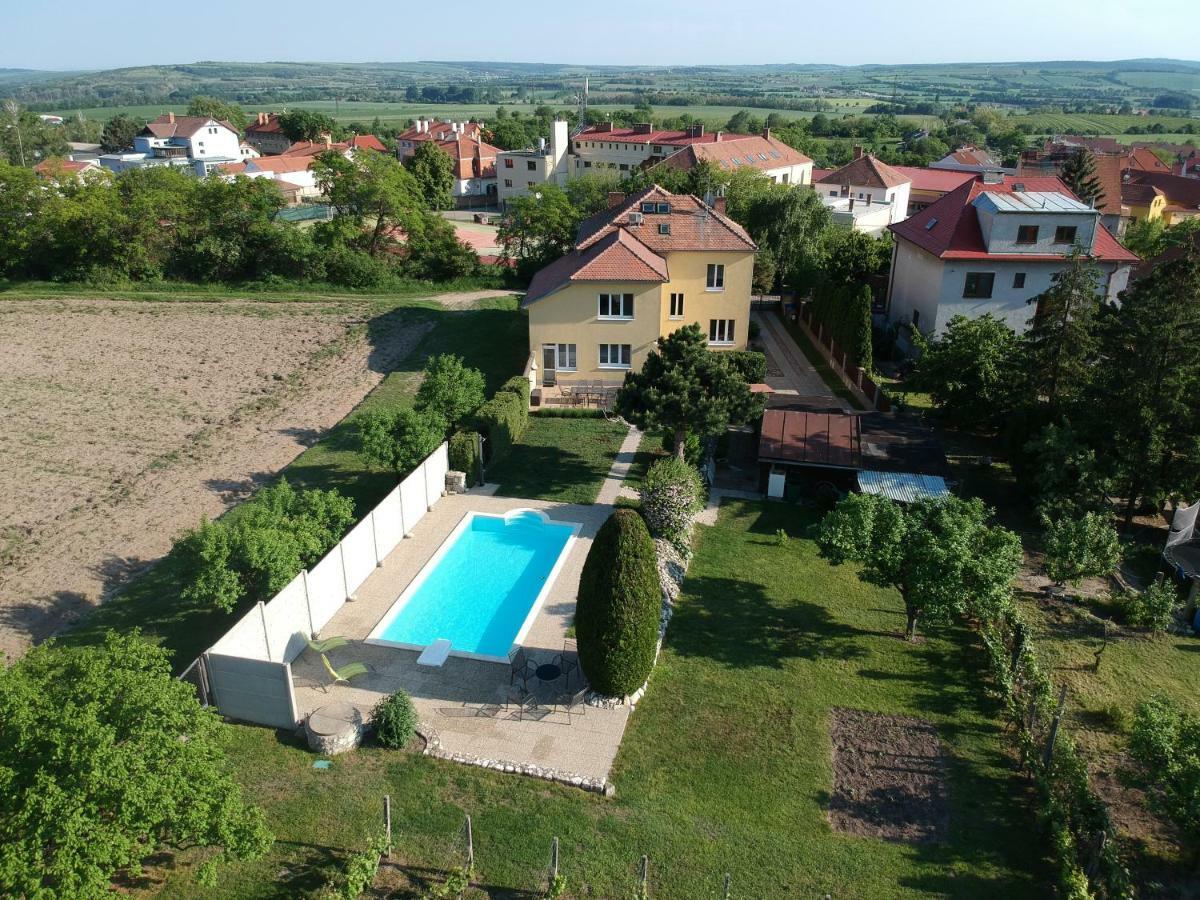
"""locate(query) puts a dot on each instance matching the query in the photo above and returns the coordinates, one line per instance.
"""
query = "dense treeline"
(161, 223)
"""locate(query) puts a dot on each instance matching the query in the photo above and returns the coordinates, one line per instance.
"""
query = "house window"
(614, 356)
(677, 306)
(566, 357)
(508, 182)
(529, 184)
(508, 164)
(531, 165)
(616, 306)
(979, 285)
(1019, 280)
(1065, 234)
(664, 227)
(720, 331)
(587, 165)
(664, 208)
(624, 167)
(716, 277)
(648, 207)
(1027, 234)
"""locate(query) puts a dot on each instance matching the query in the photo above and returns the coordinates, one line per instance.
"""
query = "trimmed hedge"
(620, 600)
(463, 457)
(750, 364)
(845, 311)
(568, 412)
(518, 385)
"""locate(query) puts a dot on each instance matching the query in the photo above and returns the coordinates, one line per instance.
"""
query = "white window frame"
(715, 277)
(676, 311)
(622, 350)
(566, 357)
(721, 332)
(625, 303)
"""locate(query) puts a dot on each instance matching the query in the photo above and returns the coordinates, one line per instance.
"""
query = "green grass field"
(725, 766)
(559, 459)
(1059, 123)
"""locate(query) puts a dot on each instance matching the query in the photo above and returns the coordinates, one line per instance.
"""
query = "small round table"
(548, 672)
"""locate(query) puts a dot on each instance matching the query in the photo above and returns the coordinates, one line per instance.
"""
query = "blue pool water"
(479, 593)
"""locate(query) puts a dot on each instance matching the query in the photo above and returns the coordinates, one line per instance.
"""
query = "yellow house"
(646, 266)
(1143, 202)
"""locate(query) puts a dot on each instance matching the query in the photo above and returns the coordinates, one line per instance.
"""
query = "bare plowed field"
(125, 422)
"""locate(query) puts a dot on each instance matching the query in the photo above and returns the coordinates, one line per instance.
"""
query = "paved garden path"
(788, 370)
(611, 489)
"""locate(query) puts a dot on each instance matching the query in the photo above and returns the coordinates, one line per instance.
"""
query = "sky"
(616, 32)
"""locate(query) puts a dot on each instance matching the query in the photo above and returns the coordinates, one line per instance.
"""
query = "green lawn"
(491, 336)
(725, 766)
(649, 451)
(559, 459)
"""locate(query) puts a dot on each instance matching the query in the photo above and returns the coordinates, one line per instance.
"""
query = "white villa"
(866, 194)
(196, 142)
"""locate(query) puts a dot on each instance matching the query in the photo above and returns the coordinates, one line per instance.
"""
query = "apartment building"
(520, 172)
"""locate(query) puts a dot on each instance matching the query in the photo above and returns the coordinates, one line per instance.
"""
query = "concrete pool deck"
(464, 699)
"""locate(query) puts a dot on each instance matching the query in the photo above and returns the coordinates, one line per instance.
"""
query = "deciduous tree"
(433, 170)
(401, 440)
(450, 388)
(970, 370)
(105, 759)
(1080, 546)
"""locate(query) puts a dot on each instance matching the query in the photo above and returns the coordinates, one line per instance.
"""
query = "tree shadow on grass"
(738, 624)
(548, 473)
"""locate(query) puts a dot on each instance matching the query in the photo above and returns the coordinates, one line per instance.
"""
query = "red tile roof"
(955, 233)
(166, 126)
(866, 171)
(367, 142)
(279, 164)
(635, 136)
(1146, 160)
(923, 179)
(694, 225)
(732, 153)
(1181, 192)
(269, 126)
(472, 158)
(314, 148)
(57, 164)
(617, 256)
(435, 129)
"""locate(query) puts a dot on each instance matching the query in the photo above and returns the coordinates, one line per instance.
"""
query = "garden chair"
(521, 668)
(526, 703)
(568, 660)
(572, 703)
(343, 674)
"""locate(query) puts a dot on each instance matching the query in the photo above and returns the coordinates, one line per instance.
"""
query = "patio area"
(581, 392)
(465, 700)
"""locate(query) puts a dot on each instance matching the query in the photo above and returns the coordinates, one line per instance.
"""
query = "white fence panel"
(358, 554)
(326, 589)
(436, 465)
(245, 639)
(389, 523)
(412, 499)
(252, 690)
(287, 624)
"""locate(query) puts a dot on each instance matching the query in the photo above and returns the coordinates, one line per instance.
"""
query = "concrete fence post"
(345, 580)
(375, 540)
(262, 617)
(312, 630)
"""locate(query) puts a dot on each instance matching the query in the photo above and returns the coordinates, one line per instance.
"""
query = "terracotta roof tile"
(923, 179)
(949, 227)
(675, 138)
(694, 225)
(733, 153)
(617, 256)
(1180, 191)
(866, 171)
(367, 142)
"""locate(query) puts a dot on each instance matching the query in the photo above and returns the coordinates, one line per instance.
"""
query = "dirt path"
(126, 422)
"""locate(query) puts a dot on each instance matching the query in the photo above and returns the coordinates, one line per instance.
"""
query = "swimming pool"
(483, 588)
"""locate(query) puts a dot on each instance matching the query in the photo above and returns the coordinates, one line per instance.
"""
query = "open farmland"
(127, 421)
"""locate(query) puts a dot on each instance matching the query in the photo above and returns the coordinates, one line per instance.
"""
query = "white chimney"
(541, 144)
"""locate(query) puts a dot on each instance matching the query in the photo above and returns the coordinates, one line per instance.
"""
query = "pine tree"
(1079, 174)
(1060, 346)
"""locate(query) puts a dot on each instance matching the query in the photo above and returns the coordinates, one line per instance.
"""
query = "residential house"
(433, 130)
(1180, 195)
(769, 155)
(366, 142)
(474, 168)
(266, 136)
(604, 146)
(58, 169)
(642, 268)
(927, 185)
(991, 246)
(293, 174)
(196, 142)
(866, 194)
(520, 172)
(969, 159)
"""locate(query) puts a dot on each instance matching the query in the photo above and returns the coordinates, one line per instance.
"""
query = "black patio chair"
(521, 668)
(568, 660)
(572, 703)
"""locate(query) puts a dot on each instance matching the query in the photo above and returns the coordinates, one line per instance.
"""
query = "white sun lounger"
(435, 654)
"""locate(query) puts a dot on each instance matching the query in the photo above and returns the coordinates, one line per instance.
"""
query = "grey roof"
(1031, 201)
(904, 487)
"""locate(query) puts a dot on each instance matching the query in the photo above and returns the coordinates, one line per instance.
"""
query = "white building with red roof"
(866, 194)
(607, 147)
(644, 267)
(764, 153)
(433, 130)
(992, 245)
(196, 142)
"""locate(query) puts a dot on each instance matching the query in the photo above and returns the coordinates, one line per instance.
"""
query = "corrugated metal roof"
(1032, 201)
(903, 487)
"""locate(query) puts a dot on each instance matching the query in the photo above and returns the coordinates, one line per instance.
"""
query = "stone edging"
(434, 748)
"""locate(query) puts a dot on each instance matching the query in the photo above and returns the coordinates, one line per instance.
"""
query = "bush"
(568, 412)
(361, 869)
(750, 364)
(693, 447)
(1165, 743)
(671, 494)
(502, 421)
(518, 385)
(400, 440)
(450, 388)
(1153, 608)
(1080, 546)
(395, 720)
(463, 455)
(620, 599)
